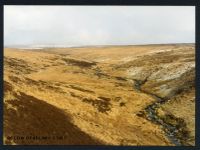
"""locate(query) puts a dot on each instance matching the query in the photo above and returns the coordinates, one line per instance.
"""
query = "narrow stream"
(151, 115)
(169, 129)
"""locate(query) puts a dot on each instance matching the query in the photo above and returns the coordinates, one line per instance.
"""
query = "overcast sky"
(98, 25)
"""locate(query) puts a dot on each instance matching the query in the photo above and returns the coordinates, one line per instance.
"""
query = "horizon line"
(108, 45)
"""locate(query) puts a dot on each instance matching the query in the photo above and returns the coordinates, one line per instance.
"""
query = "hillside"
(115, 95)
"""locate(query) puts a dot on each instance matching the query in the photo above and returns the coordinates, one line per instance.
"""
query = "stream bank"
(175, 128)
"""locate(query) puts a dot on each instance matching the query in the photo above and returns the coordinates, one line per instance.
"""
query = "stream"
(170, 130)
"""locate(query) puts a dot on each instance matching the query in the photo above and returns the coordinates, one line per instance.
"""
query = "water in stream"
(169, 129)
(151, 115)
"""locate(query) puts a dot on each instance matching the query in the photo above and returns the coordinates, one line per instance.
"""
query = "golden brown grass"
(78, 92)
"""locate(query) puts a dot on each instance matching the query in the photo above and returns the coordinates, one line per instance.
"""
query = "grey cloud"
(98, 25)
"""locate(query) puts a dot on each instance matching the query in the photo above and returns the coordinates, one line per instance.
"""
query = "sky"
(97, 25)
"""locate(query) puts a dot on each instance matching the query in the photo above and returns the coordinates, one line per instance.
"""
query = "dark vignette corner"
(1, 72)
(197, 74)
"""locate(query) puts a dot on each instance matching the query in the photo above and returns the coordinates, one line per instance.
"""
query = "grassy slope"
(102, 108)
